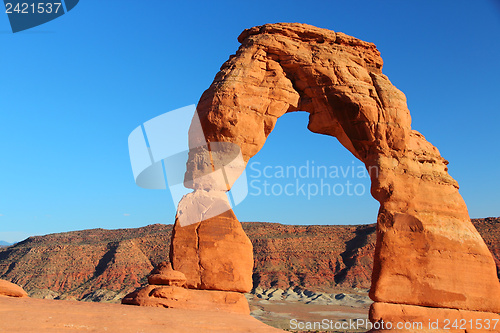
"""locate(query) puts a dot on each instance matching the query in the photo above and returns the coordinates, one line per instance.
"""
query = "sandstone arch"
(428, 253)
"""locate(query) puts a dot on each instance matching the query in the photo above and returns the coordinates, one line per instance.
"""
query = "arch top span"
(283, 68)
(428, 253)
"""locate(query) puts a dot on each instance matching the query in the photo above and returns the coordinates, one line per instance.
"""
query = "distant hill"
(4, 243)
(104, 265)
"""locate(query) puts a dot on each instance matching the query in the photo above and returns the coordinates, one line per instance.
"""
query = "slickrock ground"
(39, 315)
(105, 265)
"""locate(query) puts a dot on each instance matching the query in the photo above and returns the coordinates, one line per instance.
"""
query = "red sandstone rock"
(40, 315)
(180, 298)
(10, 289)
(313, 257)
(419, 319)
(215, 254)
(428, 253)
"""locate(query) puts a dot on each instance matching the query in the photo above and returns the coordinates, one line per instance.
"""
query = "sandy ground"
(41, 315)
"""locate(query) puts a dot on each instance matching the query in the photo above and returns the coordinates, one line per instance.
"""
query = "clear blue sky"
(73, 89)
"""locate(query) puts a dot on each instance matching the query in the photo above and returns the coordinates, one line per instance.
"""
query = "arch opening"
(303, 178)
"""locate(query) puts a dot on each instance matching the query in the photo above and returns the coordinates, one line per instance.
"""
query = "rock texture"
(341, 258)
(215, 254)
(192, 299)
(427, 253)
(312, 257)
(93, 264)
(12, 290)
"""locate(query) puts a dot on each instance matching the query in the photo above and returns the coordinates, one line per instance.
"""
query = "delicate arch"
(428, 253)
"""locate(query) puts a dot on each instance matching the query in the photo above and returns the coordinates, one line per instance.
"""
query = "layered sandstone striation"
(427, 252)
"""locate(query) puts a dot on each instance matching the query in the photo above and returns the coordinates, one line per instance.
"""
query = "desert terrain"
(305, 273)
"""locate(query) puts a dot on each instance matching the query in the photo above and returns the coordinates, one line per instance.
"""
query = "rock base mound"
(193, 299)
(167, 289)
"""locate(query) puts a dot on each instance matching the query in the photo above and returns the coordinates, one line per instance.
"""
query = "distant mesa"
(424, 259)
(28, 18)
